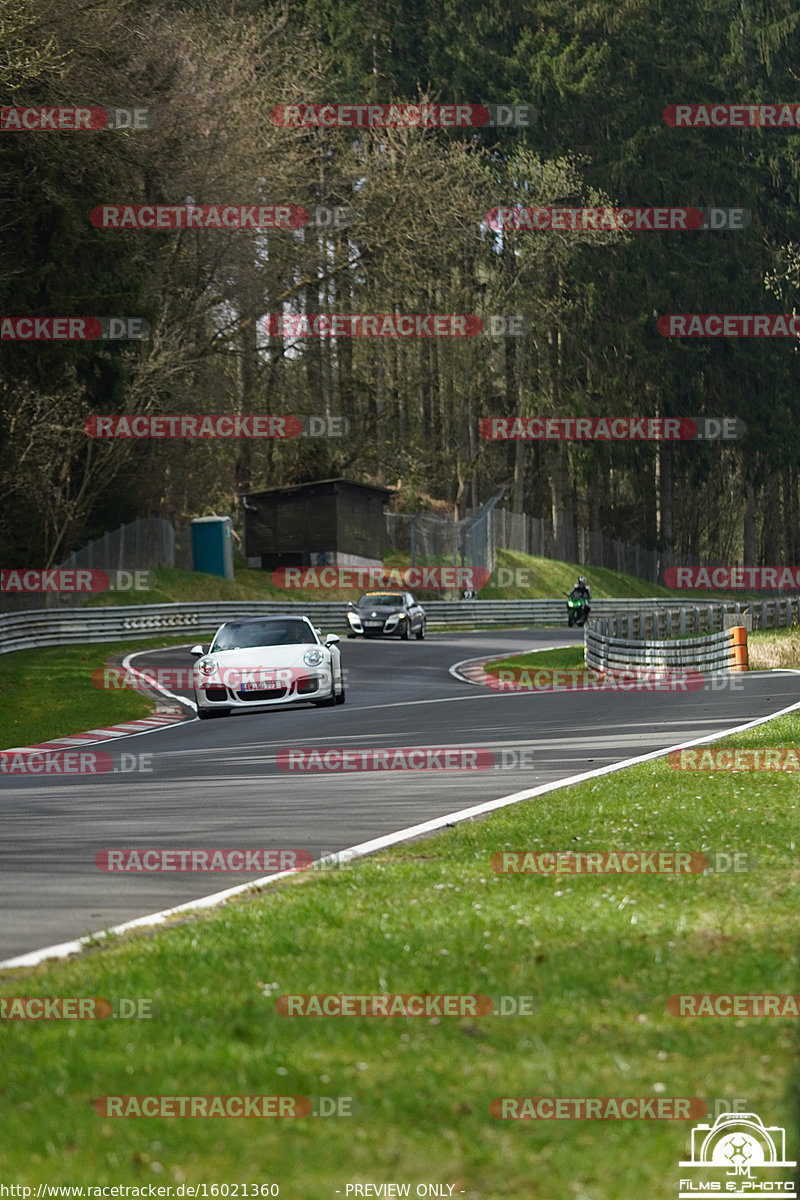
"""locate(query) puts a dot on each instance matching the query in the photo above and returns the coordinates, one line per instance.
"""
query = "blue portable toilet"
(212, 546)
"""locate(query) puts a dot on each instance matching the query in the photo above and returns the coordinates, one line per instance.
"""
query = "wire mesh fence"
(141, 545)
(138, 546)
(425, 538)
(475, 540)
(588, 547)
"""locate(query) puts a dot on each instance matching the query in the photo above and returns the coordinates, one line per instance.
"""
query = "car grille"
(266, 694)
(216, 693)
(306, 685)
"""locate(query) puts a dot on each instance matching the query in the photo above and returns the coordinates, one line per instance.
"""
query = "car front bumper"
(316, 684)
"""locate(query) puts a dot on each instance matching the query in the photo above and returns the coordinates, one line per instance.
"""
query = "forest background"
(599, 74)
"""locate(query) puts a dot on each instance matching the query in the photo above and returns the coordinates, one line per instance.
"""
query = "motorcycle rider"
(581, 590)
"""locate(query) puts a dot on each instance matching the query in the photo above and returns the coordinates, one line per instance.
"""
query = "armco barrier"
(64, 627)
(723, 651)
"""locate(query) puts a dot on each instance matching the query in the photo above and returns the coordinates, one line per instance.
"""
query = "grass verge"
(768, 649)
(48, 693)
(601, 955)
(569, 658)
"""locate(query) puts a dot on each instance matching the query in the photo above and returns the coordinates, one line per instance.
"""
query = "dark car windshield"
(381, 600)
(241, 635)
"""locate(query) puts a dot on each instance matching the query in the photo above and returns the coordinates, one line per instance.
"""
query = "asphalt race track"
(217, 783)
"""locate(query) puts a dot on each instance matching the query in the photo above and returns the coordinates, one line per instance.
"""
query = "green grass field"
(600, 955)
(49, 693)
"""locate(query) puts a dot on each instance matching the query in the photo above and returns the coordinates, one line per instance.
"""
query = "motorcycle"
(577, 611)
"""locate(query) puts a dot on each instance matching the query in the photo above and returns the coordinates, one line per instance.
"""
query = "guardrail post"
(738, 649)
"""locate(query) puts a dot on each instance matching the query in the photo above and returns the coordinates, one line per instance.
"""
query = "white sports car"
(267, 662)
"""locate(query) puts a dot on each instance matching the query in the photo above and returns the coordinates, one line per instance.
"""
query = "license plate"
(259, 685)
(371, 624)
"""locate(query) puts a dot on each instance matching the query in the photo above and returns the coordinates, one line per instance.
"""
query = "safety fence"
(20, 631)
(141, 545)
(663, 617)
(723, 651)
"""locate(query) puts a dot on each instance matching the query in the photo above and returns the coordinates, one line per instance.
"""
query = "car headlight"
(313, 657)
(208, 666)
(354, 618)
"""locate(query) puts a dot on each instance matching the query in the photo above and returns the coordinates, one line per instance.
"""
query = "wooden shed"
(332, 522)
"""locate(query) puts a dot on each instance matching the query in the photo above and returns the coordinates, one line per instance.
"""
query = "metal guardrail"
(723, 651)
(63, 627)
(665, 618)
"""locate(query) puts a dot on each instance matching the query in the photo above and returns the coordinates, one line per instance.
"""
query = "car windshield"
(241, 636)
(381, 600)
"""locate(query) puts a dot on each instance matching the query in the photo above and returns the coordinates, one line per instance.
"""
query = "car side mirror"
(332, 639)
(197, 650)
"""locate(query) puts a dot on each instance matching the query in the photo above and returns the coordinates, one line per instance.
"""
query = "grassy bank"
(49, 693)
(539, 578)
(600, 955)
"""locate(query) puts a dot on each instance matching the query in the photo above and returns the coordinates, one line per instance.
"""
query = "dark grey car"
(386, 613)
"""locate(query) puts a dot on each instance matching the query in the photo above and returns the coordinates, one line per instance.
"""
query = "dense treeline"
(599, 74)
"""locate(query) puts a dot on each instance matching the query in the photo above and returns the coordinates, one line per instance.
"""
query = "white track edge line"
(126, 662)
(34, 957)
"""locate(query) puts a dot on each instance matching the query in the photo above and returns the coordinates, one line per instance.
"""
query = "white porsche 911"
(267, 662)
